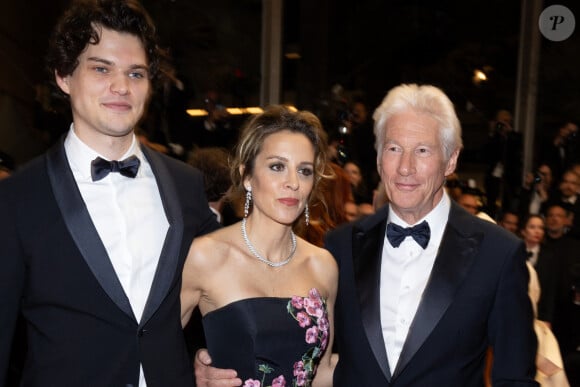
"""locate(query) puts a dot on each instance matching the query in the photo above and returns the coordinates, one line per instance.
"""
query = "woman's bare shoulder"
(317, 252)
(210, 250)
(320, 260)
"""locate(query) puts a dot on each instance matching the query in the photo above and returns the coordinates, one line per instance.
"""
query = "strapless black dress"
(269, 341)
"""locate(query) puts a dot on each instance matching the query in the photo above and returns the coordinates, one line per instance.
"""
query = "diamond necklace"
(266, 260)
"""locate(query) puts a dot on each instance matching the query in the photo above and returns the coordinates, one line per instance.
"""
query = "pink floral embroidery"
(313, 304)
(315, 318)
(323, 340)
(251, 383)
(303, 319)
(298, 367)
(279, 381)
(323, 324)
(301, 379)
(311, 335)
(297, 302)
(310, 313)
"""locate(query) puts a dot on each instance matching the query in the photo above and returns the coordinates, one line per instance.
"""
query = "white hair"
(424, 99)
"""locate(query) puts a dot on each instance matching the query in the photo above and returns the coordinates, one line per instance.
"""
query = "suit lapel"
(81, 227)
(367, 252)
(169, 259)
(455, 257)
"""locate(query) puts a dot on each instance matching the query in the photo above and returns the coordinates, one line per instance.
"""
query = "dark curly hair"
(80, 25)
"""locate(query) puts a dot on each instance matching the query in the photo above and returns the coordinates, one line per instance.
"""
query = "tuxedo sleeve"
(12, 277)
(208, 221)
(511, 329)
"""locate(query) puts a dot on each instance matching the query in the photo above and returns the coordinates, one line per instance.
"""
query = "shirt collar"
(80, 155)
(216, 213)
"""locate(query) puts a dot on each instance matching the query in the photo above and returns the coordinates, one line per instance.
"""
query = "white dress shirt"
(405, 271)
(570, 199)
(216, 213)
(533, 254)
(129, 217)
(535, 203)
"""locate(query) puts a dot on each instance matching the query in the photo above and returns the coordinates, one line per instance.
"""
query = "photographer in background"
(357, 140)
(536, 191)
(563, 150)
(503, 156)
(567, 192)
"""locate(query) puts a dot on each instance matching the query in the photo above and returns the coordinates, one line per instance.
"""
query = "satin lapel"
(367, 252)
(168, 261)
(456, 253)
(81, 227)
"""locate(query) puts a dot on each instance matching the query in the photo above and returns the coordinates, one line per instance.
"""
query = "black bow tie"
(421, 233)
(530, 254)
(101, 167)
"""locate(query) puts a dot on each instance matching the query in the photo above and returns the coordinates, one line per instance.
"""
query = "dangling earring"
(247, 203)
(306, 215)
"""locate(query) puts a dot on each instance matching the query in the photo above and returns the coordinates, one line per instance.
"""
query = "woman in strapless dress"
(267, 296)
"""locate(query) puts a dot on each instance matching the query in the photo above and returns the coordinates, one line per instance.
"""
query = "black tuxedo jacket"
(476, 296)
(81, 330)
(548, 268)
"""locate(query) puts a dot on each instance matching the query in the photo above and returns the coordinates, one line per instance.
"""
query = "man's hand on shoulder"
(208, 376)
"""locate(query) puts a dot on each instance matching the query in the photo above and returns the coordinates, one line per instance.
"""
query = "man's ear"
(452, 163)
(62, 82)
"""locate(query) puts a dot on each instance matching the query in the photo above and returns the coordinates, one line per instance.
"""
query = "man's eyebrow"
(139, 67)
(100, 60)
(110, 63)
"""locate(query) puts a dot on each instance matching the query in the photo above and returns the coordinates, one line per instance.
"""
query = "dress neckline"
(272, 299)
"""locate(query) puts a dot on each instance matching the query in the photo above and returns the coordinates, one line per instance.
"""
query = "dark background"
(348, 49)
